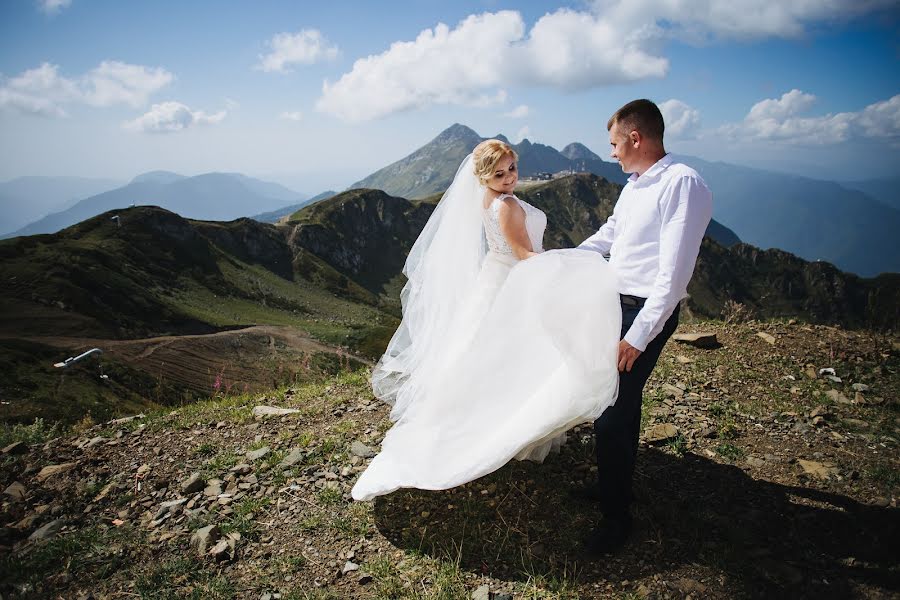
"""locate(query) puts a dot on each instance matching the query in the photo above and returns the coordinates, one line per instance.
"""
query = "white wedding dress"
(529, 353)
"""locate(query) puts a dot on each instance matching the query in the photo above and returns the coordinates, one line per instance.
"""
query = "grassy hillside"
(771, 481)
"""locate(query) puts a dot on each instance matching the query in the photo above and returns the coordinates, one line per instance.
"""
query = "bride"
(502, 347)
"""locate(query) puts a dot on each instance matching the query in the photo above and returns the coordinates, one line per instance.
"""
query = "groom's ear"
(635, 137)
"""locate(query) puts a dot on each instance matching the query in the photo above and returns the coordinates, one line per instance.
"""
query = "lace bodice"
(535, 223)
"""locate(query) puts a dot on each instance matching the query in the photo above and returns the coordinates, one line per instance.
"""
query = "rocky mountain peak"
(578, 151)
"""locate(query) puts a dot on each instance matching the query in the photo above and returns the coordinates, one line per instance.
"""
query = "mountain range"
(364, 235)
(816, 220)
(26, 199)
(431, 168)
(212, 196)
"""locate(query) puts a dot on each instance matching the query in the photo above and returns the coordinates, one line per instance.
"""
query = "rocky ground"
(768, 468)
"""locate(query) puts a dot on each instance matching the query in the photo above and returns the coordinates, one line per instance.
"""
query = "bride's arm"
(512, 226)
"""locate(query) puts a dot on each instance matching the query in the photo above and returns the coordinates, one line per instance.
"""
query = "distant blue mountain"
(212, 197)
(816, 220)
(26, 199)
(274, 215)
(886, 190)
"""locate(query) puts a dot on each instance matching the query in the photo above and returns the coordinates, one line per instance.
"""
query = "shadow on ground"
(695, 519)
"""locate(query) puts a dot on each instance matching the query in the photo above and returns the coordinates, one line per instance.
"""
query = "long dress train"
(530, 355)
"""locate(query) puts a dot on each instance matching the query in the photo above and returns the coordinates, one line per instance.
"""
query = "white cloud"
(51, 7)
(519, 112)
(114, 82)
(781, 120)
(464, 65)
(291, 115)
(614, 42)
(703, 20)
(43, 91)
(169, 117)
(682, 121)
(522, 134)
(40, 91)
(305, 47)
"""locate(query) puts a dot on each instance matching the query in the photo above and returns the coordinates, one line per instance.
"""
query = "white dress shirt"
(653, 238)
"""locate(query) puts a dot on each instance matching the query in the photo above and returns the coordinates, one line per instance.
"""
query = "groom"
(653, 238)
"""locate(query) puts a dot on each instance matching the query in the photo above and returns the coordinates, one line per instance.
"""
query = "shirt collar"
(657, 168)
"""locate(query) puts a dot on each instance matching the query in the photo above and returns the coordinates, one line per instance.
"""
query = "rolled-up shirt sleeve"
(685, 214)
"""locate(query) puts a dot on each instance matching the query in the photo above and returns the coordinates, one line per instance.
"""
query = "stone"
(16, 491)
(294, 456)
(860, 387)
(364, 578)
(503, 596)
(51, 470)
(683, 360)
(766, 337)
(359, 449)
(205, 536)
(700, 340)
(15, 448)
(47, 530)
(213, 488)
(817, 469)
(482, 593)
(257, 454)
(264, 411)
(226, 547)
(93, 442)
(837, 397)
(193, 484)
(349, 567)
(660, 433)
(671, 390)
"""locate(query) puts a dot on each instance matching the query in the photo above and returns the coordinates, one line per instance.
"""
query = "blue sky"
(318, 95)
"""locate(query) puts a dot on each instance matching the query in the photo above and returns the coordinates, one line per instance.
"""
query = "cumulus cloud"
(682, 121)
(305, 47)
(781, 119)
(519, 112)
(51, 7)
(613, 42)
(170, 117)
(706, 20)
(43, 91)
(295, 115)
(39, 91)
(522, 134)
(114, 82)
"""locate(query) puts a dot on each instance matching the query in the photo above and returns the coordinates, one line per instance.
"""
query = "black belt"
(635, 301)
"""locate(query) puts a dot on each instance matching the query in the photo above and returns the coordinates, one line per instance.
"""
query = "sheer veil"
(442, 268)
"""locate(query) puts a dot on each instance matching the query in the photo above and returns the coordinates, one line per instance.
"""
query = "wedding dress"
(495, 358)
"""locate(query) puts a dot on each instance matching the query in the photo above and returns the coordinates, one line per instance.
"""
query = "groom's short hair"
(639, 115)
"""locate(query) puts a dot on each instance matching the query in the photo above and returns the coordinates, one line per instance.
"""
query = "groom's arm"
(602, 240)
(687, 210)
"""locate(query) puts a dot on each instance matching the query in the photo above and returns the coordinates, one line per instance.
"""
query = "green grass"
(38, 432)
(88, 553)
(730, 451)
(184, 578)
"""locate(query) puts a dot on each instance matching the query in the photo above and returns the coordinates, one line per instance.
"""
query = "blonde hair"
(486, 156)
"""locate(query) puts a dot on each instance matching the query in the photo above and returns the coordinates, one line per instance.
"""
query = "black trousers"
(617, 430)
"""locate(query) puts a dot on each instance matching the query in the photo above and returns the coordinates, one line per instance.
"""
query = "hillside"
(771, 283)
(431, 168)
(211, 196)
(26, 199)
(816, 220)
(756, 477)
(97, 284)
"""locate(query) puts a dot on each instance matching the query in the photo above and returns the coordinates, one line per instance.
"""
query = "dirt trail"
(246, 358)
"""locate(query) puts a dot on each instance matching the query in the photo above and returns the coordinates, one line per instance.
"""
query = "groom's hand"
(627, 355)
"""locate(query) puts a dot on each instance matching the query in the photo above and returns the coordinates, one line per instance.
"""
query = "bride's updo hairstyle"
(486, 156)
